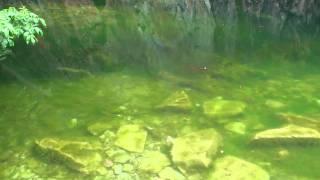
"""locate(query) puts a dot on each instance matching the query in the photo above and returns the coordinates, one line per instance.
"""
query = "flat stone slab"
(236, 127)
(300, 120)
(288, 135)
(231, 168)
(131, 138)
(179, 100)
(196, 149)
(223, 108)
(153, 161)
(78, 155)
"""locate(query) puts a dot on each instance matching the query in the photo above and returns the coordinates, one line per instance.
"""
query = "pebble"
(283, 153)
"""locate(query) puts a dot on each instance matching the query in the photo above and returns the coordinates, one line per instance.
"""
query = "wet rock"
(72, 123)
(98, 128)
(20, 172)
(223, 108)
(230, 168)
(288, 135)
(125, 176)
(78, 155)
(108, 163)
(179, 100)
(107, 138)
(131, 138)
(117, 169)
(195, 176)
(300, 120)
(169, 173)
(274, 104)
(128, 168)
(196, 149)
(118, 156)
(153, 161)
(236, 127)
(283, 153)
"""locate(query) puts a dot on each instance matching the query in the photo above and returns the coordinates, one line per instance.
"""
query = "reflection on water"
(103, 100)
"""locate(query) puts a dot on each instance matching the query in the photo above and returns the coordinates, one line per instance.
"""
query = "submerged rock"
(300, 120)
(131, 138)
(119, 156)
(288, 135)
(117, 169)
(98, 128)
(236, 127)
(274, 104)
(128, 168)
(223, 108)
(283, 153)
(230, 168)
(169, 173)
(179, 100)
(196, 149)
(153, 161)
(78, 155)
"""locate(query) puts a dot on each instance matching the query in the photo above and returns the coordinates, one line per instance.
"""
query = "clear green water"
(128, 93)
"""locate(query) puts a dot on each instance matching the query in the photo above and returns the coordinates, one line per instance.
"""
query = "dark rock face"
(276, 15)
(208, 20)
(305, 10)
(283, 15)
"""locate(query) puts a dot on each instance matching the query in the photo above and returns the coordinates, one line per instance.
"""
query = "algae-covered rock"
(274, 104)
(153, 161)
(196, 149)
(78, 155)
(288, 135)
(179, 100)
(98, 128)
(236, 127)
(300, 120)
(223, 108)
(128, 168)
(131, 138)
(231, 168)
(169, 173)
(119, 156)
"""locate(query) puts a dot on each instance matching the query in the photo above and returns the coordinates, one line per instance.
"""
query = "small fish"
(196, 69)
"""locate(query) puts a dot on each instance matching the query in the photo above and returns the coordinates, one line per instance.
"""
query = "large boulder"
(131, 138)
(77, 155)
(223, 108)
(179, 100)
(196, 149)
(288, 135)
(153, 161)
(230, 168)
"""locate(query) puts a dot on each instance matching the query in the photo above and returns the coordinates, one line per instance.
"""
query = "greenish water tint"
(122, 82)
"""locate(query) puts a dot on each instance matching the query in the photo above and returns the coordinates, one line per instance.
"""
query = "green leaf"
(14, 23)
